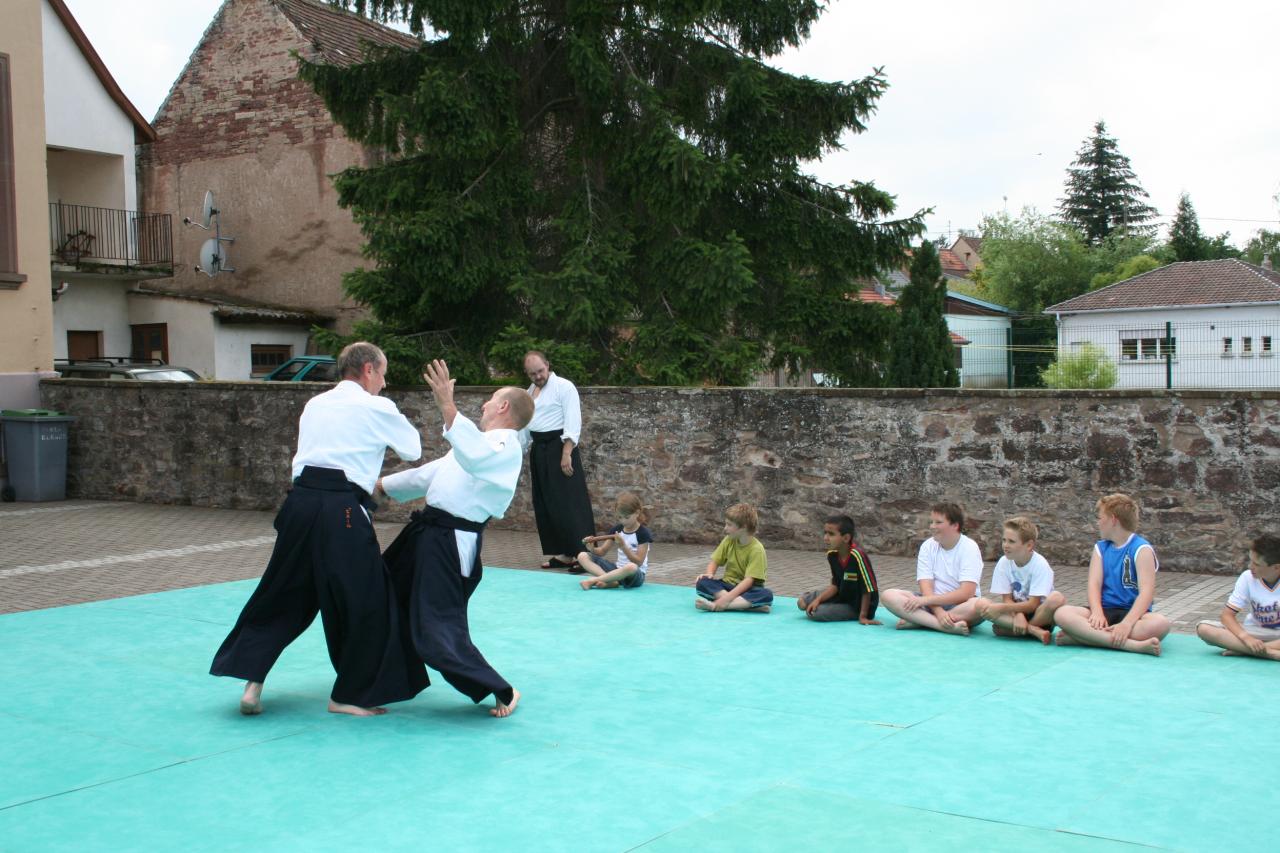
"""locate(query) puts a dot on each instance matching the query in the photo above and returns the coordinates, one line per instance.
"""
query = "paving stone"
(70, 552)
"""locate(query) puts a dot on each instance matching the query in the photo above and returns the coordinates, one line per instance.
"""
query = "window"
(150, 341)
(1226, 347)
(9, 275)
(1146, 345)
(84, 344)
(1266, 345)
(264, 358)
(1246, 346)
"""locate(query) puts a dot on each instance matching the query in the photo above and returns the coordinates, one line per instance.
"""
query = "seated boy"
(1257, 592)
(853, 592)
(1122, 587)
(949, 573)
(743, 558)
(1025, 580)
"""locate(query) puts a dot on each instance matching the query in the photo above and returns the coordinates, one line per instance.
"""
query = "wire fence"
(1138, 353)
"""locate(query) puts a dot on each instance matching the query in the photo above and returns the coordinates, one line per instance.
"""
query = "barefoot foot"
(1065, 639)
(501, 710)
(702, 604)
(354, 710)
(904, 625)
(1045, 636)
(588, 583)
(251, 701)
(959, 627)
(1149, 647)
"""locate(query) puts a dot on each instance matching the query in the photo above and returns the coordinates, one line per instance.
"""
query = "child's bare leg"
(1152, 625)
(1228, 642)
(1040, 624)
(615, 577)
(894, 600)
(970, 612)
(589, 565)
(1074, 622)
(741, 603)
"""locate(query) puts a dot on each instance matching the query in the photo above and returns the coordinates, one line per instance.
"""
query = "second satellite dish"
(213, 254)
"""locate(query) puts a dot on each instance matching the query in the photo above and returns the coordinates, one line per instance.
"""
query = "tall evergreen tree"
(1185, 240)
(618, 181)
(1103, 197)
(923, 355)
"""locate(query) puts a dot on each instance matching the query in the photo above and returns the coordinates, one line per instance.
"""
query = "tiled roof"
(1188, 283)
(875, 297)
(339, 36)
(870, 294)
(238, 310)
(952, 264)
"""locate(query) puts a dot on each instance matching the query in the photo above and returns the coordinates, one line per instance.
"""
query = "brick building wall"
(1205, 465)
(239, 122)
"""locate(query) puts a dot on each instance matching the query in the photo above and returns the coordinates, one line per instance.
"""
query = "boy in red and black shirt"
(853, 592)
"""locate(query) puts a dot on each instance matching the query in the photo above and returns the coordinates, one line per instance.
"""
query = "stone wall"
(1205, 465)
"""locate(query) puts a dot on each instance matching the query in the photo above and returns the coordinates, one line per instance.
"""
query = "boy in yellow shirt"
(745, 565)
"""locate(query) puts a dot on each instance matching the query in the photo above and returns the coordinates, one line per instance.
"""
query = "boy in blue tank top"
(1122, 587)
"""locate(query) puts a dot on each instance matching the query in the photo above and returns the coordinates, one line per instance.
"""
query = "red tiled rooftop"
(339, 36)
(1224, 282)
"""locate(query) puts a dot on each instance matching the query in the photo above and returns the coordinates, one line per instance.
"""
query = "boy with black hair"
(853, 592)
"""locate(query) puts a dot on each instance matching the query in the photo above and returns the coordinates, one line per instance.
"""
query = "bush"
(1087, 367)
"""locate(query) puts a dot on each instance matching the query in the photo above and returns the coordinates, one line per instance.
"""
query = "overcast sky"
(988, 102)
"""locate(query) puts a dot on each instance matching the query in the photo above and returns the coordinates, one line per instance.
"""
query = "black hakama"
(425, 567)
(561, 505)
(326, 560)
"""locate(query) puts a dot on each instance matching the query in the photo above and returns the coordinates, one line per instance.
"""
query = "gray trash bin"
(35, 451)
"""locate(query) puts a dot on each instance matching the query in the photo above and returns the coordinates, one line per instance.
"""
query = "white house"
(1193, 324)
(985, 325)
(106, 256)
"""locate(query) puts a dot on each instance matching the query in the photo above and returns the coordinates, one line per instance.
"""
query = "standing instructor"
(561, 505)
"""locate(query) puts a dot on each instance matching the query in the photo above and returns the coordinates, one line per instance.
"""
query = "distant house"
(26, 306)
(240, 123)
(968, 250)
(100, 243)
(1193, 324)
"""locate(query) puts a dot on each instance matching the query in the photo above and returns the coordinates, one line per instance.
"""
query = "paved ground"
(76, 551)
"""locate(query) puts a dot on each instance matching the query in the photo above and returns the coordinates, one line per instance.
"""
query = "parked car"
(120, 367)
(305, 368)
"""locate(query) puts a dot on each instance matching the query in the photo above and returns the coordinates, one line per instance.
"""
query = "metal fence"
(104, 239)
(1240, 352)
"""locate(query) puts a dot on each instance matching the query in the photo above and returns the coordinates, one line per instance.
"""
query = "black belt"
(548, 436)
(439, 518)
(333, 480)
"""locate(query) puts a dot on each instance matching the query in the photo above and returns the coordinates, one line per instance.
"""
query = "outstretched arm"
(437, 376)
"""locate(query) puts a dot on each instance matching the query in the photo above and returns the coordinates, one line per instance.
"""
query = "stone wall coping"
(871, 393)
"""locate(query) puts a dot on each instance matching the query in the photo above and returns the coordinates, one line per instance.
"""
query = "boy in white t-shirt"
(1257, 593)
(1025, 580)
(949, 574)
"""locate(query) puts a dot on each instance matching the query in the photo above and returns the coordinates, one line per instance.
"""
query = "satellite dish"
(208, 211)
(213, 257)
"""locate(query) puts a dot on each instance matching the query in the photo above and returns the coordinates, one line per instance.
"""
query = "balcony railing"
(103, 240)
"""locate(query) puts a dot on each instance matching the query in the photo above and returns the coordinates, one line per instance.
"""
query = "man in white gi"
(435, 561)
(561, 505)
(326, 555)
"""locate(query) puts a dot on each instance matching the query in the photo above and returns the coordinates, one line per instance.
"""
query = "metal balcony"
(110, 242)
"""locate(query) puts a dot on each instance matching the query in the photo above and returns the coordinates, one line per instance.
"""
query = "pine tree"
(1103, 197)
(1185, 240)
(923, 355)
(618, 182)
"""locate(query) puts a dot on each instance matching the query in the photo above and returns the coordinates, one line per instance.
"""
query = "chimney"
(1266, 262)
